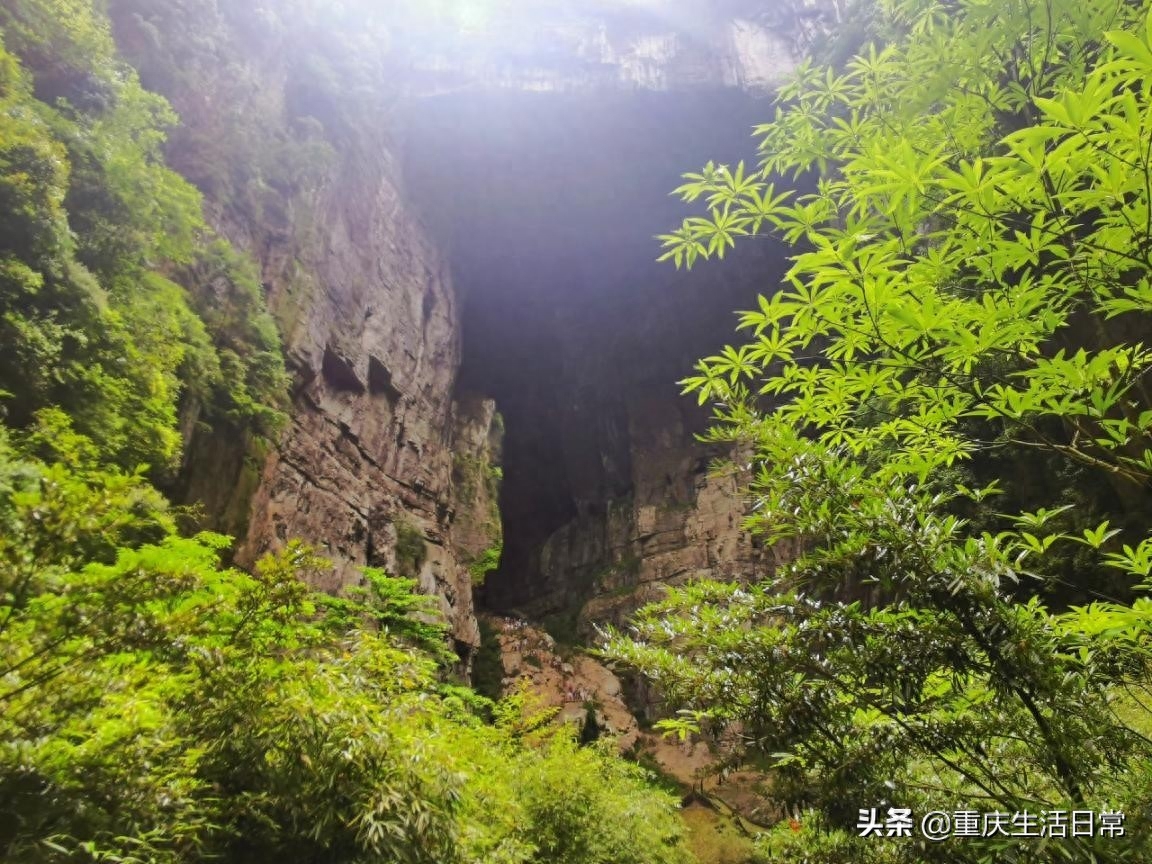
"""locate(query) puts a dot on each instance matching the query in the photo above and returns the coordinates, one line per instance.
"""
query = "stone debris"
(571, 681)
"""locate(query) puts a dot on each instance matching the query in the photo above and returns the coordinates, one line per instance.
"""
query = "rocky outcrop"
(669, 45)
(446, 216)
(302, 178)
(589, 697)
(681, 521)
(577, 686)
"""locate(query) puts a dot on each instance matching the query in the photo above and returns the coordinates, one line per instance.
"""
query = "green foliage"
(952, 695)
(411, 550)
(582, 823)
(488, 665)
(471, 474)
(250, 387)
(563, 626)
(94, 227)
(391, 606)
(717, 837)
(241, 158)
(947, 259)
(968, 289)
(487, 561)
(157, 707)
(154, 703)
(813, 840)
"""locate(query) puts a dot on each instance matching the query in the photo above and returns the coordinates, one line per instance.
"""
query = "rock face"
(582, 691)
(366, 303)
(569, 324)
(366, 465)
(570, 682)
(673, 45)
(477, 227)
(580, 336)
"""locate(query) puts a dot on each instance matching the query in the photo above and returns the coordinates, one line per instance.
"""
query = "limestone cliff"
(366, 302)
(446, 217)
(676, 45)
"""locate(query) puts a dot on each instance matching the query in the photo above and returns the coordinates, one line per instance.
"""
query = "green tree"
(155, 706)
(116, 303)
(970, 284)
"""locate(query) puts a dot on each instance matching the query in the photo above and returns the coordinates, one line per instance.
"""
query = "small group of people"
(515, 626)
(577, 694)
(519, 630)
(511, 625)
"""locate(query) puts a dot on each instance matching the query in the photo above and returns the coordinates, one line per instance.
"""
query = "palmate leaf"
(762, 204)
(1134, 47)
(964, 292)
(731, 186)
(699, 184)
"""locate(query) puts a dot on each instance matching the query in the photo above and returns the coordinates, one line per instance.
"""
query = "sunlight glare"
(473, 14)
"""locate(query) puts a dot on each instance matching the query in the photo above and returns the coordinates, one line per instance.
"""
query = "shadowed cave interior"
(570, 324)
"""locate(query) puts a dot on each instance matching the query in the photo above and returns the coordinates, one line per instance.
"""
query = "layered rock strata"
(305, 182)
(672, 45)
(534, 284)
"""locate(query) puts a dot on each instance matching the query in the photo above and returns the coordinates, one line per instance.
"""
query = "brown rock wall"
(375, 430)
(304, 180)
(544, 215)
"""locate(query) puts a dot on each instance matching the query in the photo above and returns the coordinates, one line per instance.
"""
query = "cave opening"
(548, 205)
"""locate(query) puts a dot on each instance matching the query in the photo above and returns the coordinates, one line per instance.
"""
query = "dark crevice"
(380, 381)
(569, 322)
(339, 372)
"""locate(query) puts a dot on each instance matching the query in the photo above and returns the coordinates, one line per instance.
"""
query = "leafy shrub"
(159, 707)
(963, 293)
(485, 563)
(411, 550)
(95, 228)
(487, 665)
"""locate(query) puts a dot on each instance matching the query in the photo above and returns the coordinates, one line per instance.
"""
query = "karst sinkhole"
(549, 204)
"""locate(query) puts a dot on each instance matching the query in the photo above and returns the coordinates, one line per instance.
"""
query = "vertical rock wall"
(290, 114)
(300, 173)
(680, 520)
(366, 466)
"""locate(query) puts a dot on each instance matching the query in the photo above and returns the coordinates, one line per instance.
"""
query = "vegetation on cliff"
(158, 707)
(155, 704)
(119, 305)
(950, 411)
